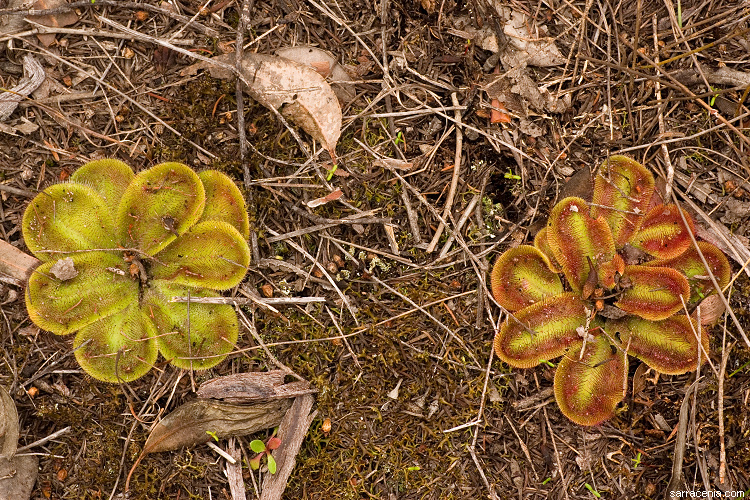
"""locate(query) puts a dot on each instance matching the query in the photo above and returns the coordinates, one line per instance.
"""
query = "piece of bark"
(15, 266)
(292, 432)
(253, 386)
(8, 425)
(198, 421)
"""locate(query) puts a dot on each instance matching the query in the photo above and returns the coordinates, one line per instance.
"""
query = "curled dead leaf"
(711, 309)
(296, 90)
(326, 65)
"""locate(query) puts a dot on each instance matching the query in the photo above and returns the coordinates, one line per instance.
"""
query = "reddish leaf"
(663, 233)
(669, 346)
(542, 244)
(541, 331)
(654, 293)
(690, 264)
(589, 387)
(622, 191)
(578, 242)
(521, 277)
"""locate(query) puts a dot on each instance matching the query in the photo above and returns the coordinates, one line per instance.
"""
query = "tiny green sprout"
(399, 138)
(546, 480)
(592, 490)
(713, 97)
(117, 248)
(605, 279)
(637, 460)
(414, 468)
(262, 449)
(510, 175)
(213, 435)
(332, 171)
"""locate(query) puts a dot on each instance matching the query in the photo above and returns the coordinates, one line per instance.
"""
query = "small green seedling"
(510, 175)
(636, 460)
(605, 279)
(262, 449)
(592, 490)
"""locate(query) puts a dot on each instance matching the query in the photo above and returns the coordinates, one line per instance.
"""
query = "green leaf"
(63, 307)
(67, 218)
(522, 276)
(541, 331)
(257, 446)
(653, 293)
(622, 193)
(271, 464)
(212, 254)
(542, 244)
(690, 264)
(107, 177)
(663, 234)
(669, 346)
(118, 348)
(224, 201)
(198, 343)
(255, 462)
(160, 204)
(578, 242)
(589, 388)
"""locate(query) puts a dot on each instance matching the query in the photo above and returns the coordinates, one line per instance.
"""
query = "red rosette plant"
(614, 277)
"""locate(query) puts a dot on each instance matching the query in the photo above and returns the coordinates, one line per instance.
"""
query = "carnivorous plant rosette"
(117, 247)
(630, 275)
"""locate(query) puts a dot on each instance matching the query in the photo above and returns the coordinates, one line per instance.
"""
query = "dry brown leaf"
(332, 196)
(199, 421)
(297, 91)
(326, 65)
(52, 20)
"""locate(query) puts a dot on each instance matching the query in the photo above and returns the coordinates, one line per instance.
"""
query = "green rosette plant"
(117, 247)
(614, 277)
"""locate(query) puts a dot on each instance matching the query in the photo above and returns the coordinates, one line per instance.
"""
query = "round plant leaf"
(588, 388)
(97, 291)
(160, 204)
(119, 348)
(522, 276)
(669, 346)
(653, 293)
(198, 343)
(107, 177)
(224, 201)
(66, 218)
(690, 264)
(663, 234)
(578, 242)
(212, 254)
(622, 193)
(541, 331)
(542, 244)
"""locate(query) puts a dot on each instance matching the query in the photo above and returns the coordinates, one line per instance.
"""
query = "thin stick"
(662, 127)
(241, 27)
(454, 179)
